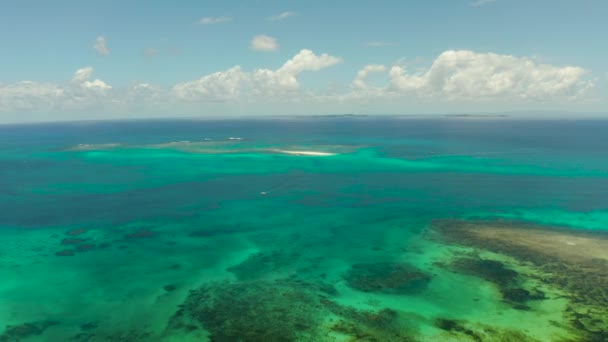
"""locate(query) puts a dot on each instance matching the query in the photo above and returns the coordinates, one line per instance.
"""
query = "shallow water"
(107, 227)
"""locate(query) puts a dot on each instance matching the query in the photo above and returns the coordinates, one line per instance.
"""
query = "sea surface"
(293, 229)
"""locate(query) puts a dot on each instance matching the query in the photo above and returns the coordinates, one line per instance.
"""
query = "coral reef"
(282, 310)
(72, 241)
(170, 287)
(117, 336)
(76, 231)
(503, 277)
(576, 262)
(89, 326)
(456, 327)
(251, 311)
(394, 278)
(85, 247)
(263, 264)
(490, 270)
(461, 330)
(65, 252)
(143, 233)
(371, 326)
(16, 333)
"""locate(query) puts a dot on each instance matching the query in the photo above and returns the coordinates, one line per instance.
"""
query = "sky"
(79, 60)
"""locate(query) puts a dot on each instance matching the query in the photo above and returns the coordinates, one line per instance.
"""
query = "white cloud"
(214, 20)
(235, 83)
(145, 95)
(482, 2)
(219, 86)
(100, 46)
(82, 75)
(96, 85)
(307, 60)
(264, 43)
(462, 78)
(80, 92)
(145, 89)
(81, 78)
(27, 95)
(359, 82)
(467, 75)
(282, 16)
(284, 79)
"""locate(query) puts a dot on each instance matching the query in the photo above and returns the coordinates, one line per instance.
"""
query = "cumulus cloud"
(80, 92)
(219, 86)
(235, 82)
(214, 20)
(144, 95)
(459, 77)
(28, 95)
(100, 46)
(467, 75)
(359, 82)
(82, 75)
(264, 43)
(96, 85)
(282, 16)
(82, 79)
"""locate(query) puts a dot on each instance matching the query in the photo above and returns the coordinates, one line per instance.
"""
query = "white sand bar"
(307, 153)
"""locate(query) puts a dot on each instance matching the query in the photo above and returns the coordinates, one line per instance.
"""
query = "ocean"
(305, 229)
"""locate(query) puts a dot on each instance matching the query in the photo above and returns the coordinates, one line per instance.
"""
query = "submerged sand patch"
(532, 242)
(573, 261)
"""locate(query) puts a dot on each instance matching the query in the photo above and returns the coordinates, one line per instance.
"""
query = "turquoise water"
(107, 227)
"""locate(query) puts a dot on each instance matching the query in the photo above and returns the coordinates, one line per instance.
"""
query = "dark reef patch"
(72, 241)
(65, 252)
(89, 326)
(170, 287)
(456, 327)
(495, 272)
(385, 277)
(263, 264)
(464, 331)
(16, 333)
(117, 336)
(85, 247)
(490, 270)
(573, 261)
(519, 297)
(361, 325)
(77, 231)
(142, 233)
(281, 310)
(252, 311)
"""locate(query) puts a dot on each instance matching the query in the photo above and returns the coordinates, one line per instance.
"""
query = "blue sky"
(170, 48)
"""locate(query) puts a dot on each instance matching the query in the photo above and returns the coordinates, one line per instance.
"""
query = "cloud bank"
(82, 91)
(461, 76)
(467, 75)
(235, 83)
